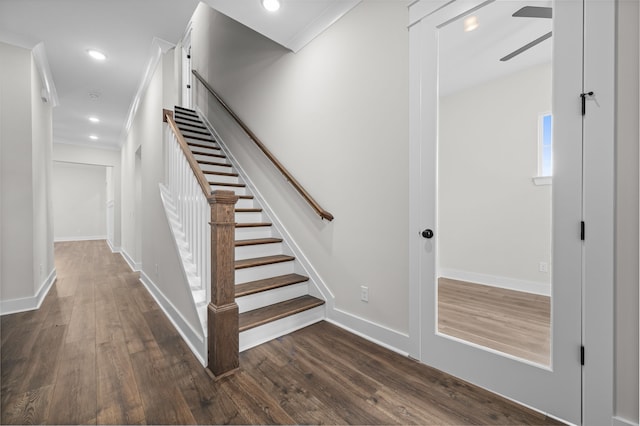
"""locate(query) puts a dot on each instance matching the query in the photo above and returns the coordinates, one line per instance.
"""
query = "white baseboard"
(113, 248)
(391, 339)
(619, 421)
(84, 238)
(542, 289)
(135, 266)
(13, 306)
(196, 342)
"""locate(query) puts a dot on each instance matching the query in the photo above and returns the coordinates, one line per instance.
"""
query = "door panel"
(554, 386)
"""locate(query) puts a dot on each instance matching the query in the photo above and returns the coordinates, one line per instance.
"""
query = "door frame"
(598, 204)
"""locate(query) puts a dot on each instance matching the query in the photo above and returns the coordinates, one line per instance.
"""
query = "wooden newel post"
(222, 313)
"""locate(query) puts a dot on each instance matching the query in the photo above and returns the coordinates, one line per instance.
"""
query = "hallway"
(100, 350)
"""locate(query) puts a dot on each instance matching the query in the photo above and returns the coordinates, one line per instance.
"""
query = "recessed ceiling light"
(271, 5)
(93, 137)
(94, 119)
(95, 54)
(470, 23)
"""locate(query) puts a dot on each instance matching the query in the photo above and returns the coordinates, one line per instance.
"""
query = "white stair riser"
(258, 250)
(253, 217)
(245, 204)
(251, 233)
(212, 168)
(272, 330)
(237, 191)
(266, 298)
(262, 272)
(225, 179)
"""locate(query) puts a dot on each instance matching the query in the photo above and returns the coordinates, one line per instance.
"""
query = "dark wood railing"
(222, 312)
(298, 187)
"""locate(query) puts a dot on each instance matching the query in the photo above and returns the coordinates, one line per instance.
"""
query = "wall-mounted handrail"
(303, 192)
(167, 116)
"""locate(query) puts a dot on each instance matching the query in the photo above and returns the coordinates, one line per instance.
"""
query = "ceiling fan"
(530, 12)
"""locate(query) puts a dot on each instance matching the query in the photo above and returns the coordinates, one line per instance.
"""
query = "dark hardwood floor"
(100, 350)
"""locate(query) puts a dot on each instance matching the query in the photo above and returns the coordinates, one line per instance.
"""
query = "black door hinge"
(583, 98)
(188, 86)
(581, 355)
(582, 230)
(188, 56)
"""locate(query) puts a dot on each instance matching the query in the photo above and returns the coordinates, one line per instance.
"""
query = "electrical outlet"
(364, 293)
(543, 267)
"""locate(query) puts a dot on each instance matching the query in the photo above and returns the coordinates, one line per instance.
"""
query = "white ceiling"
(125, 31)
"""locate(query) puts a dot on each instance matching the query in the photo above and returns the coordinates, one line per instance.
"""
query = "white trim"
(194, 340)
(13, 306)
(83, 238)
(376, 333)
(113, 248)
(542, 180)
(158, 48)
(40, 58)
(619, 421)
(135, 266)
(543, 289)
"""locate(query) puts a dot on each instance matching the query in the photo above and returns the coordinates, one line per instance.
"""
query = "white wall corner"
(135, 266)
(158, 48)
(114, 249)
(50, 94)
(194, 339)
(14, 306)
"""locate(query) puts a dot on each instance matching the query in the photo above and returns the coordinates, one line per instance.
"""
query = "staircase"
(272, 292)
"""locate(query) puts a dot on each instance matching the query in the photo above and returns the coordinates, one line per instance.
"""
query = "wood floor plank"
(74, 397)
(29, 408)
(118, 400)
(133, 367)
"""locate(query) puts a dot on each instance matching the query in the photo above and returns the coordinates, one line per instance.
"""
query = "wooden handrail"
(303, 192)
(167, 116)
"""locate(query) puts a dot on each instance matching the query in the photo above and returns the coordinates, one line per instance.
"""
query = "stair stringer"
(317, 286)
(189, 270)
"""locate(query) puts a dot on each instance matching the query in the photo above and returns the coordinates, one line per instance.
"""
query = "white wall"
(98, 157)
(79, 201)
(151, 246)
(626, 298)
(336, 115)
(492, 219)
(26, 257)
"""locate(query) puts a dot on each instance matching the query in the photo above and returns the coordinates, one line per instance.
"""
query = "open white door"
(553, 384)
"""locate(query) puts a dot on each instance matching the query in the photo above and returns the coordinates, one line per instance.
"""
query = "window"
(545, 153)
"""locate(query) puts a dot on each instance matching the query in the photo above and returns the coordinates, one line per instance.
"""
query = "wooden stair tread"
(258, 286)
(252, 224)
(261, 261)
(277, 311)
(245, 197)
(198, 137)
(199, 126)
(235, 185)
(213, 163)
(184, 110)
(256, 210)
(207, 154)
(257, 241)
(197, 131)
(208, 172)
(188, 119)
(201, 145)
